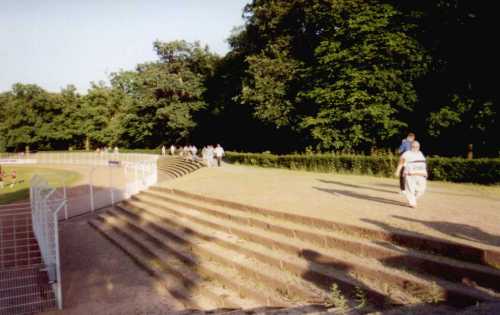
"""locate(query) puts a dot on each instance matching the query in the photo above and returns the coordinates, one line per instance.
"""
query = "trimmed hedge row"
(482, 171)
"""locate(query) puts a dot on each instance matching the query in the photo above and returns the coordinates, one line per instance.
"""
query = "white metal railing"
(46, 202)
(140, 171)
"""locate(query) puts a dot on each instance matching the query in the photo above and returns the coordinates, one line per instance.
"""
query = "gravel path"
(98, 278)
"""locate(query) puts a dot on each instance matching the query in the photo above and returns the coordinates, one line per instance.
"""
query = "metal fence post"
(91, 187)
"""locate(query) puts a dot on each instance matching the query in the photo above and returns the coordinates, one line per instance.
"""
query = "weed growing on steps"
(360, 297)
(336, 298)
(433, 294)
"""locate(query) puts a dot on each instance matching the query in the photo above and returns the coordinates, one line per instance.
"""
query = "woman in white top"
(415, 173)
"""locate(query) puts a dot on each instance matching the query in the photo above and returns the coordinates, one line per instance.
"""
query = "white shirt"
(219, 151)
(415, 163)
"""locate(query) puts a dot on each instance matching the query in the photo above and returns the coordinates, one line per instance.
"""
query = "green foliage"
(301, 75)
(483, 171)
(142, 108)
(340, 71)
(337, 299)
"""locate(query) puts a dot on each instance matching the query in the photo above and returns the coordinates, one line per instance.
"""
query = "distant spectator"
(163, 150)
(14, 178)
(1, 177)
(115, 150)
(172, 149)
(219, 153)
(210, 156)
(204, 155)
(194, 151)
(185, 151)
(404, 147)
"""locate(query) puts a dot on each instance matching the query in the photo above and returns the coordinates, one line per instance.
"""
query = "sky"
(53, 43)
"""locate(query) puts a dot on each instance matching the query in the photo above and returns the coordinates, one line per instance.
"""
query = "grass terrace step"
(206, 256)
(268, 260)
(205, 276)
(387, 253)
(464, 252)
(178, 169)
(363, 268)
(174, 282)
(268, 251)
(208, 248)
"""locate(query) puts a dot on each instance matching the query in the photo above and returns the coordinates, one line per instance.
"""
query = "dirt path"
(458, 212)
(98, 278)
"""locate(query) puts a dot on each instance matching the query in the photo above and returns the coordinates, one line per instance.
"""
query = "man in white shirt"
(415, 173)
(210, 156)
(219, 153)
(194, 151)
(172, 149)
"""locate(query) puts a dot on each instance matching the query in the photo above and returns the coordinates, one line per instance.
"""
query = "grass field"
(20, 190)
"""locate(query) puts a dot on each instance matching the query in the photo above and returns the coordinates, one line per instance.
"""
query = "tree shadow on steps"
(359, 186)
(458, 230)
(424, 242)
(178, 259)
(356, 195)
(347, 284)
(405, 241)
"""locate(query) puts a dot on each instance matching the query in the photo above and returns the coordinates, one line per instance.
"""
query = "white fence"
(110, 177)
(46, 203)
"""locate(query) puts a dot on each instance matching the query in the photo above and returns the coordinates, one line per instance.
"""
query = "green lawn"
(20, 191)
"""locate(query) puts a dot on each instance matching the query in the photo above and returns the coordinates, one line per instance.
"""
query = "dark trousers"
(219, 159)
(402, 179)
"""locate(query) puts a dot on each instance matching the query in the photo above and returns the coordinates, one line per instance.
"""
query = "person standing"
(172, 149)
(210, 156)
(163, 150)
(1, 177)
(404, 147)
(413, 165)
(194, 151)
(14, 178)
(219, 153)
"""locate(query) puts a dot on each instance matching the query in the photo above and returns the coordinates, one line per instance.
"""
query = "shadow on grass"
(359, 186)
(356, 195)
(458, 230)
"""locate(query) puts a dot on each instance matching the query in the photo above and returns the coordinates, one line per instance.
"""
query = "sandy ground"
(459, 212)
(98, 278)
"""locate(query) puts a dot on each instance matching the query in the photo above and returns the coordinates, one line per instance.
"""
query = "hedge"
(482, 171)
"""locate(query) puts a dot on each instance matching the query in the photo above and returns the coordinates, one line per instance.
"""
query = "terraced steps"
(174, 166)
(476, 255)
(273, 258)
(384, 251)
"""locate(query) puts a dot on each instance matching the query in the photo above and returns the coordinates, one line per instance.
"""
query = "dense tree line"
(326, 75)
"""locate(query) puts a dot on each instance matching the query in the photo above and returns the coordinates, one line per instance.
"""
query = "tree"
(162, 96)
(342, 71)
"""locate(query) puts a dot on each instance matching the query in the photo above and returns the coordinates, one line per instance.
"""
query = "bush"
(482, 171)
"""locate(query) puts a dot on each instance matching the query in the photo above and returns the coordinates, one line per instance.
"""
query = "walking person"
(194, 151)
(415, 173)
(404, 147)
(210, 156)
(219, 153)
(1, 177)
(204, 155)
